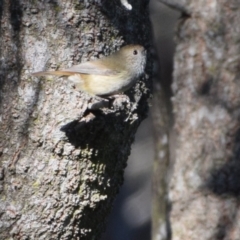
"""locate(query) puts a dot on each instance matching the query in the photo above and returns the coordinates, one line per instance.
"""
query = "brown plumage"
(108, 75)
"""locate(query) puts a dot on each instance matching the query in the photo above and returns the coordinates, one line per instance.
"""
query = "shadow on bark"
(98, 135)
(15, 10)
(224, 183)
(11, 60)
(98, 124)
(129, 22)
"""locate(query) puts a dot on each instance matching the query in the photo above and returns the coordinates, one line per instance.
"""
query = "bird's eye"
(135, 52)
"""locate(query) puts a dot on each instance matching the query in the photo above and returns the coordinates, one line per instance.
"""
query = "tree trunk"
(203, 177)
(63, 152)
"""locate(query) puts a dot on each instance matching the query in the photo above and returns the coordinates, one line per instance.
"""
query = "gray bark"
(63, 154)
(203, 177)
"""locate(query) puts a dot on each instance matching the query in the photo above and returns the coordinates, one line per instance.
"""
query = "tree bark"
(63, 152)
(203, 177)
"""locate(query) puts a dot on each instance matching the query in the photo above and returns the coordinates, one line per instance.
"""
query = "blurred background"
(131, 215)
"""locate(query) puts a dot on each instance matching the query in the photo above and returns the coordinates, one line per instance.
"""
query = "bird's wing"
(94, 67)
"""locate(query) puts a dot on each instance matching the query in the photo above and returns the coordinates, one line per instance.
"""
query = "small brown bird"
(109, 75)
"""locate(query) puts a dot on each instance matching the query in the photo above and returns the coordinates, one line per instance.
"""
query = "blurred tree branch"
(202, 178)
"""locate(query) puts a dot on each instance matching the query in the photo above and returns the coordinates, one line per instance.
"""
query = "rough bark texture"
(62, 152)
(204, 181)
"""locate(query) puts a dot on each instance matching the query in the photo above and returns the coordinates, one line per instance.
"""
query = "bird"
(109, 75)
